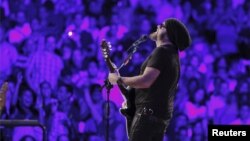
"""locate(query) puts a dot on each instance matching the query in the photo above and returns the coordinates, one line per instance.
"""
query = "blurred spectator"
(221, 68)
(21, 30)
(93, 71)
(226, 36)
(243, 91)
(196, 106)
(57, 123)
(63, 138)
(8, 55)
(26, 104)
(37, 34)
(31, 8)
(182, 134)
(52, 22)
(117, 129)
(77, 73)
(25, 109)
(95, 100)
(12, 96)
(64, 95)
(27, 138)
(81, 120)
(44, 65)
(243, 116)
(180, 127)
(199, 132)
(243, 41)
(43, 100)
(228, 112)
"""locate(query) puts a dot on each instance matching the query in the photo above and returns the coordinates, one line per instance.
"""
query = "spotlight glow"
(70, 33)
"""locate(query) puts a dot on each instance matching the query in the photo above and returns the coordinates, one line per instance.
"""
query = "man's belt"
(150, 112)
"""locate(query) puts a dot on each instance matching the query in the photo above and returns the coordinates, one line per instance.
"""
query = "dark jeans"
(147, 127)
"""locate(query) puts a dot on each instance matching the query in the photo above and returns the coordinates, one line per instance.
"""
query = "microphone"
(142, 39)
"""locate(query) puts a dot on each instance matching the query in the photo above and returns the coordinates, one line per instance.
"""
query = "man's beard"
(153, 36)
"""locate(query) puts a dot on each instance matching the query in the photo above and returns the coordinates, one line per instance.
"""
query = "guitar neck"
(111, 68)
(106, 47)
(110, 65)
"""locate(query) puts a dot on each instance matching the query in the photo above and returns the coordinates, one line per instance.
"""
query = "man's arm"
(141, 81)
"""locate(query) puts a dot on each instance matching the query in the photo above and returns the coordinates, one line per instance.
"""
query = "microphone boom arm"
(135, 46)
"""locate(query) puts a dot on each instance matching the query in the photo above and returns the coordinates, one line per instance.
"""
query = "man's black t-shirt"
(160, 95)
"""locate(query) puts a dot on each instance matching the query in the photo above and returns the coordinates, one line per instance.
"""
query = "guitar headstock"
(106, 48)
(3, 92)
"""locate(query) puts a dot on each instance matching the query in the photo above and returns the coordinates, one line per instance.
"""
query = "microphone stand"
(125, 62)
(108, 87)
(134, 46)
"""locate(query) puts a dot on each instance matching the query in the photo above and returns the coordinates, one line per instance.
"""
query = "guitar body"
(128, 109)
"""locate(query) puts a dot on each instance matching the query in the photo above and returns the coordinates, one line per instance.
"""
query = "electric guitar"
(128, 108)
(3, 92)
